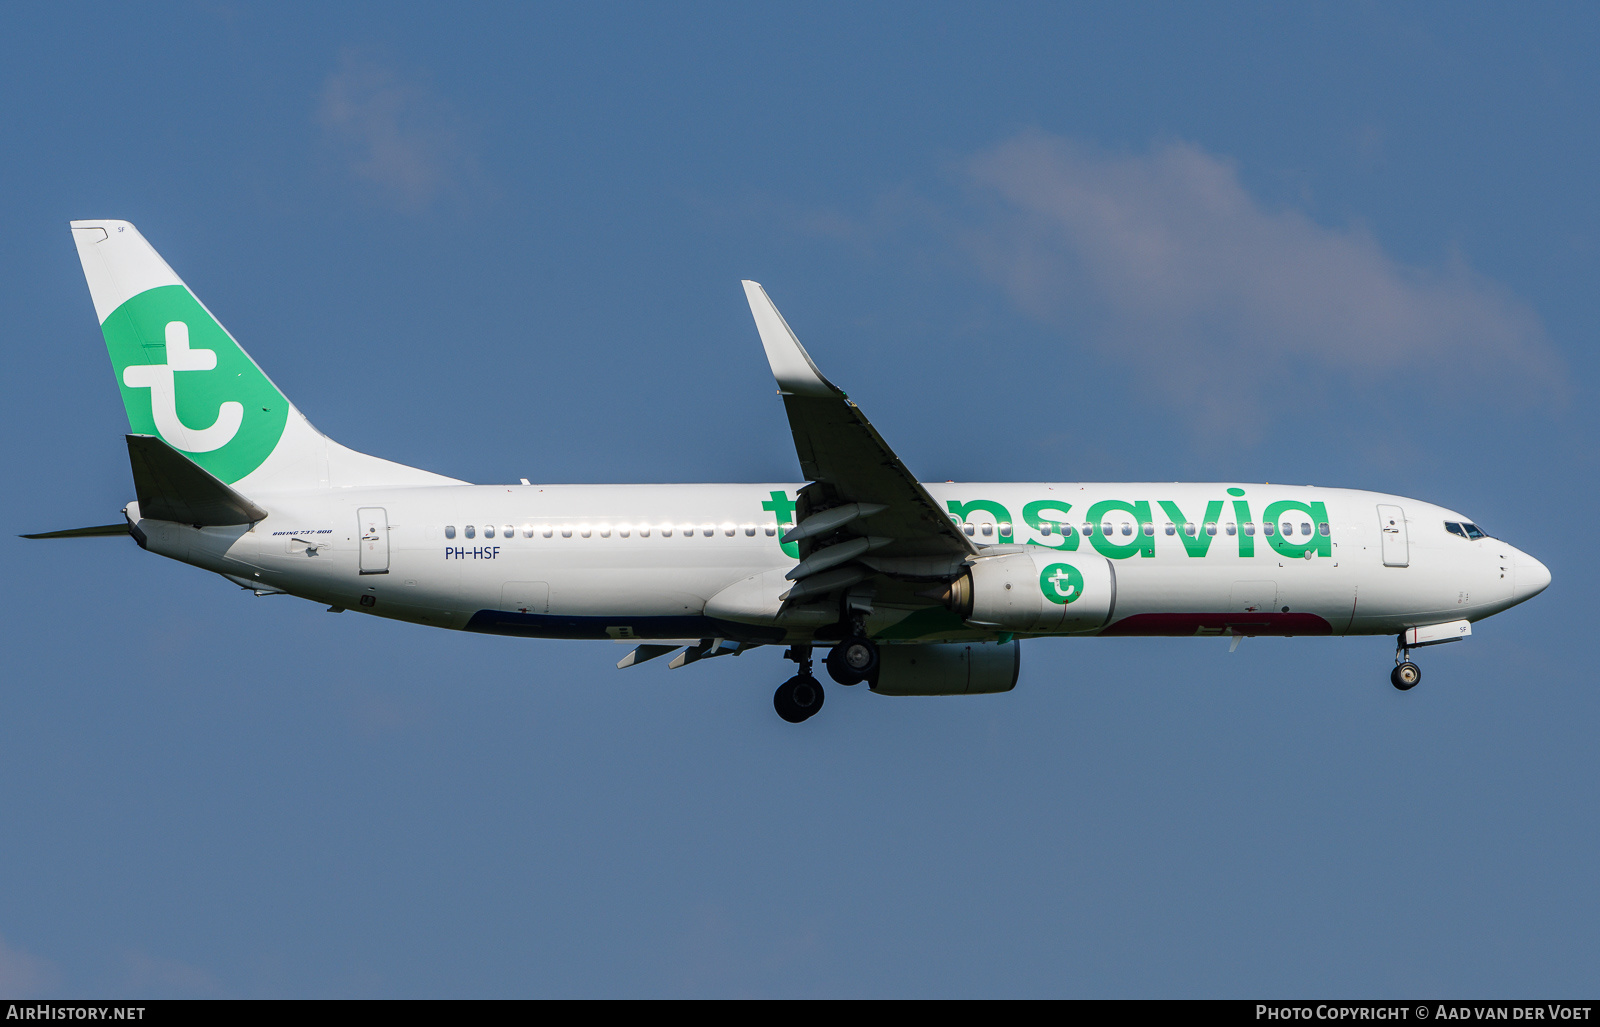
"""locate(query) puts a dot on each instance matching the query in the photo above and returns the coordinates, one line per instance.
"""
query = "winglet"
(791, 365)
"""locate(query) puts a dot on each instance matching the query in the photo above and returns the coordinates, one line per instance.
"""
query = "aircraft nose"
(1532, 577)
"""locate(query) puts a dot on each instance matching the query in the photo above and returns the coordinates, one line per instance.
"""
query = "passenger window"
(967, 527)
(1323, 528)
(1005, 529)
(644, 531)
(488, 531)
(623, 530)
(1172, 529)
(987, 529)
(1127, 528)
(1149, 529)
(547, 531)
(508, 532)
(605, 531)
(771, 530)
(666, 531)
(708, 530)
(1249, 527)
(1288, 529)
(1266, 528)
(1088, 529)
(1044, 529)
(1067, 530)
(1305, 529)
(1211, 527)
(449, 531)
(1232, 529)
(1107, 529)
(469, 531)
(749, 531)
(1188, 528)
(527, 531)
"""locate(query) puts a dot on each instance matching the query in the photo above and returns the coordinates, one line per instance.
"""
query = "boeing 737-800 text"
(913, 588)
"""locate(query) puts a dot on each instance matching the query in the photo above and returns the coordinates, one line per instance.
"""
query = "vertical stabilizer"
(186, 381)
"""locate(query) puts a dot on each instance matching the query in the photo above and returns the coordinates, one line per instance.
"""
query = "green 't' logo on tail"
(184, 379)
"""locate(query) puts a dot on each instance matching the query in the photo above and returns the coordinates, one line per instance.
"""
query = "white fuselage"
(699, 561)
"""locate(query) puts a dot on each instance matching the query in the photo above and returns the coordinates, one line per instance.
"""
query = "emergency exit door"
(1396, 546)
(373, 523)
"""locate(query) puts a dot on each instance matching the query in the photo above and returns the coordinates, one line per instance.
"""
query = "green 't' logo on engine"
(1061, 583)
(183, 378)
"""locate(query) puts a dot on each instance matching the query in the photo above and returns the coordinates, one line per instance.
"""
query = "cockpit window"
(1455, 529)
(1473, 531)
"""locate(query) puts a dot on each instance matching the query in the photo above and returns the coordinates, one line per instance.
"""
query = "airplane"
(913, 588)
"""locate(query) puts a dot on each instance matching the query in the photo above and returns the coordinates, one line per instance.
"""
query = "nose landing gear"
(1405, 674)
(799, 698)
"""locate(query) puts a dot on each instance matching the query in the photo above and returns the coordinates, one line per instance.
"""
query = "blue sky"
(1339, 244)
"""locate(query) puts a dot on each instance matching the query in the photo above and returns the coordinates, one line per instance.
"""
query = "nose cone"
(1531, 577)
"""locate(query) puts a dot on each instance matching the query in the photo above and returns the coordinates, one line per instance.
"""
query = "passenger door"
(1396, 545)
(373, 531)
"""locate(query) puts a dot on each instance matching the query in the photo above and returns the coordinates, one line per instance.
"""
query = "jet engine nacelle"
(1037, 591)
(948, 668)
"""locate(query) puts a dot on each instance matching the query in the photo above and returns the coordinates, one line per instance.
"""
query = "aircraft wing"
(863, 511)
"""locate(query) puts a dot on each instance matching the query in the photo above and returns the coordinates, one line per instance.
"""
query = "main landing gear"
(853, 660)
(799, 698)
(1405, 674)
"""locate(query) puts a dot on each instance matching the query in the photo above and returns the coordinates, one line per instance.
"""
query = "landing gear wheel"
(798, 699)
(853, 660)
(1406, 676)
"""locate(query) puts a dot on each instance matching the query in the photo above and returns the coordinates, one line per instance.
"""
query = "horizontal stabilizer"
(95, 532)
(171, 487)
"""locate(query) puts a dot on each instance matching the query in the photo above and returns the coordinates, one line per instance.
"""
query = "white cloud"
(23, 975)
(1179, 277)
(145, 974)
(395, 135)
